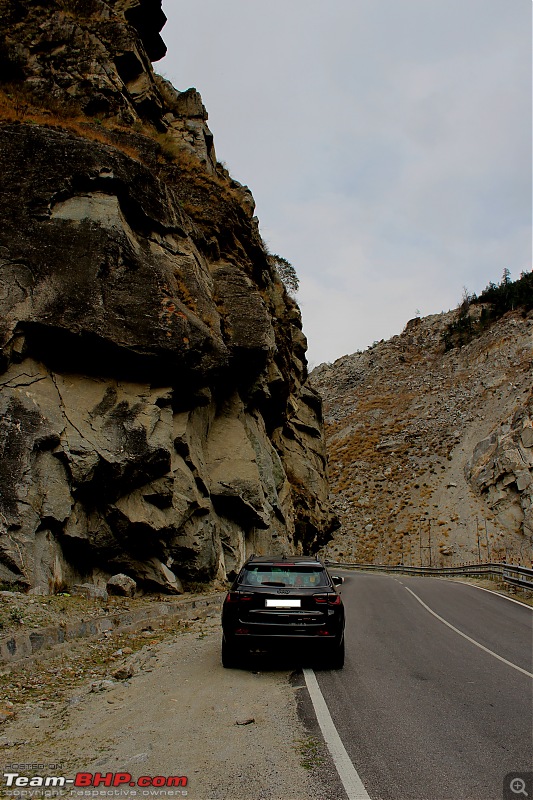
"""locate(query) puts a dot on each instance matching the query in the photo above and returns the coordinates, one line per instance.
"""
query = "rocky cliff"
(155, 417)
(431, 451)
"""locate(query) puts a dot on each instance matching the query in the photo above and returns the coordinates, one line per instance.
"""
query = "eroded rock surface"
(155, 418)
(501, 469)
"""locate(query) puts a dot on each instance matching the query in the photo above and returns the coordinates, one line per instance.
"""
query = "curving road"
(424, 712)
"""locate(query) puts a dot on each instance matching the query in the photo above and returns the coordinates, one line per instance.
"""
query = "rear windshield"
(280, 575)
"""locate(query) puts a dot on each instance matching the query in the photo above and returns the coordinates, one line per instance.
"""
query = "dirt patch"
(168, 708)
(51, 674)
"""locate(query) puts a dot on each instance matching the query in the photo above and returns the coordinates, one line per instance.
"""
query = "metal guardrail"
(508, 573)
(519, 576)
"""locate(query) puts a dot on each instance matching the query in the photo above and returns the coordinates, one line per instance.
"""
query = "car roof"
(288, 560)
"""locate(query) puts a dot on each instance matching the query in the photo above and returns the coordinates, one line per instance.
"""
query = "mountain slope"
(430, 452)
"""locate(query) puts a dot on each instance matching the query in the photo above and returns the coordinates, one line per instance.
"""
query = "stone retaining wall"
(29, 642)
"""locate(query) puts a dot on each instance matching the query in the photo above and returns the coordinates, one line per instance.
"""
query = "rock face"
(501, 468)
(155, 418)
(431, 456)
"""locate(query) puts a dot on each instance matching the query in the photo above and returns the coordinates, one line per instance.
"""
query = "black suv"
(277, 601)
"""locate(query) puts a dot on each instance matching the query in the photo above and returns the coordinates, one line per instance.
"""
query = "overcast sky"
(387, 144)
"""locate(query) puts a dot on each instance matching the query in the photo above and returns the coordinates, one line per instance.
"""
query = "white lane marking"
(351, 781)
(482, 647)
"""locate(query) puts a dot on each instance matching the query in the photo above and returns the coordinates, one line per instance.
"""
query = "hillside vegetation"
(476, 314)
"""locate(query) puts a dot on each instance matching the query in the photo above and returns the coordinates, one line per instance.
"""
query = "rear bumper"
(283, 637)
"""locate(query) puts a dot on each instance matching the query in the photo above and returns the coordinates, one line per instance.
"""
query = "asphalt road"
(423, 713)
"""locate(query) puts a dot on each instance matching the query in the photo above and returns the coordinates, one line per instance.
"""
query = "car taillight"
(236, 597)
(331, 599)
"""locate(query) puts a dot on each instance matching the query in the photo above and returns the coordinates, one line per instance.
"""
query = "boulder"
(526, 436)
(121, 584)
(90, 591)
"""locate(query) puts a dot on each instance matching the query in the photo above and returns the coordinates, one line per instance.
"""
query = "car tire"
(230, 655)
(337, 659)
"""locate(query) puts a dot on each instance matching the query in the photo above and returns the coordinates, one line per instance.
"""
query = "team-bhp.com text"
(93, 780)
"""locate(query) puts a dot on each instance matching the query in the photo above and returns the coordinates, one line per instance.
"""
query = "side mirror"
(337, 580)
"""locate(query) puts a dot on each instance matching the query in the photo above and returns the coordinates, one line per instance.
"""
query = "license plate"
(283, 603)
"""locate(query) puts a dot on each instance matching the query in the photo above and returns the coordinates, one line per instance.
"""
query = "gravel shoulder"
(160, 703)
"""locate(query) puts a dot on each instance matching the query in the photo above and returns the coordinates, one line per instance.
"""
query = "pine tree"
(285, 270)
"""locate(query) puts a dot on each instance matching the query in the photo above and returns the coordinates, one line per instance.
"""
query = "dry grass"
(17, 108)
(396, 402)
(179, 164)
(18, 104)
